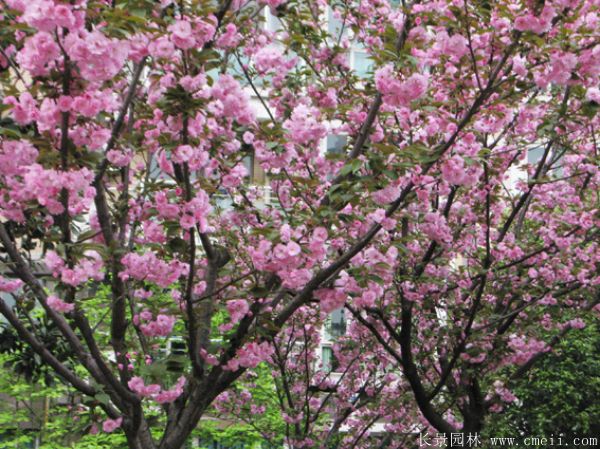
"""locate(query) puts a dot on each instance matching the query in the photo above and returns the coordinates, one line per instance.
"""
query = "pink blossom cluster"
(57, 304)
(331, 298)
(524, 348)
(29, 182)
(110, 425)
(503, 393)
(455, 172)
(455, 45)
(39, 54)
(93, 101)
(396, 92)
(575, 323)
(24, 109)
(270, 59)
(186, 34)
(148, 267)
(237, 309)
(436, 228)
(538, 25)
(87, 268)
(235, 176)
(286, 259)
(9, 286)
(386, 195)
(161, 326)
(196, 157)
(250, 355)
(98, 57)
(15, 156)
(305, 126)
(376, 261)
(559, 71)
(196, 211)
(47, 15)
(229, 38)
(155, 391)
(230, 100)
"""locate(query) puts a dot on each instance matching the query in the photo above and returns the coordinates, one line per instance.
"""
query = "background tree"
(559, 396)
(128, 172)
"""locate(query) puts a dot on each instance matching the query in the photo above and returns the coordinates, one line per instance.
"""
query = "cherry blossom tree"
(172, 154)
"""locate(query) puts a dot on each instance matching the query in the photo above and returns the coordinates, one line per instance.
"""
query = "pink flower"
(235, 176)
(204, 29)
(296, 278)
(396, 92)
(267, 59)
(119, 158)
(562, 65)
(9, 286)
(230, 38)
(98, 57)
(593, 94)
(237, 309)
(25, 110)
(64, 17)
(436, 228)
(304, 126)
(89, 267)
(181, 34)
(455, 46)
(232, 102)
(331, 299)
(166, 396)
(38, 53)
(525, 349)
(98, 138)
(182, 153)
(538, 25)
(59, 305)
(136, 384)
(576, 323)
(161, 327)
(40, 14)
(454, 172)
(150, 268)
(251, 354)
(112, 424)
(15, 156)
(165, 209)
(154, 232)
(386, 195)
(161, 48)
(197, 211)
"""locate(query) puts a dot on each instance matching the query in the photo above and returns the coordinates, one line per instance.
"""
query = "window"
(534, 155)
(362, 63)
(176, 355)
(155, 171)
(554, 158)
(272, 22)
(336, 25)
(328, 360)
(256, 174)
(336, 325)
(336, 143)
